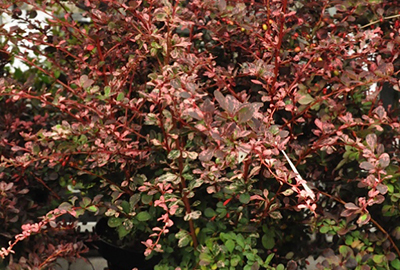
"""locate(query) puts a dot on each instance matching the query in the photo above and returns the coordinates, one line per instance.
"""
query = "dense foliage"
(185, 124)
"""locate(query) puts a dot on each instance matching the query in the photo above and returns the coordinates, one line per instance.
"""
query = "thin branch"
(380, 20)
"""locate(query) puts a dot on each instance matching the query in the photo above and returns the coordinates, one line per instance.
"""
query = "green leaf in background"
(306, 99)
(146, 199)
(85, 202)
(268, 241)
(173, 154)
(280, 267)
(209, 213)
(395, 264)
(107, 91)
(122, 231)
(244, 198)
(230, 245)
(120, 96)
(114, 222)
(143, 216)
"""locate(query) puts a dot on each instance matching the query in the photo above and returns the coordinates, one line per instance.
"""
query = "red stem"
(279, 45)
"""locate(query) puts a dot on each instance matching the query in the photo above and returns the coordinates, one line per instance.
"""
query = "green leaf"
(181, 234)
(378, 258)
(56, 74)
(83, 139)
(93, 208)
(390, 188)
(146, 199)
(209, 213)
(227, 236)
(107, 91)
(114, 222)
(306, 99)
(341, 163)
(247, 267)
(230, 245)
(122, 231)
(174, 154)
(240, 241)
(244, 198)
(79, 212)
(65, 206)
(143, 216)
(235, 260)
(120, 96)
(269, 259)
(184, 241)
(363, 219)
(268, 241)
(134, 199)
(184, 238)
(85, 202)
(395, 264)
(345, 250)
(250, 256)
(324, 229)
(35, 149)
(168, 177)
(280, 267)
(126, 207)
(160, 16)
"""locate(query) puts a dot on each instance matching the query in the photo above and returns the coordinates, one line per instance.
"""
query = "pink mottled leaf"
(371, 141)
(384, 160)
(365, 165)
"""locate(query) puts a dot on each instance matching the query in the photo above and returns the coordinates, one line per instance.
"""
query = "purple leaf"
(351, 206)
(382, 188)
(365, 165)
(221, 100)
(347, 213)
(245, 113)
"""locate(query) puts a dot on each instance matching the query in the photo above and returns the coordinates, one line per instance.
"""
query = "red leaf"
(318, 123)
(227, 201)
(256, 82)
(90, 47)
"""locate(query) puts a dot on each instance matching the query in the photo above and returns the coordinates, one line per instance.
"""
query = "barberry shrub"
(219, 134)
